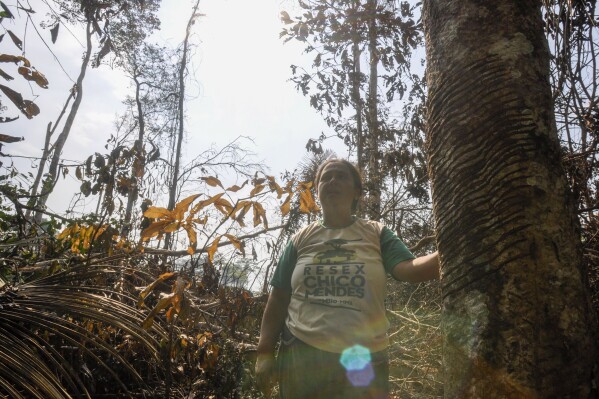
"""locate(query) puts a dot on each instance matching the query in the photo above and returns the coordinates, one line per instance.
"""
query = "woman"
(327, 300)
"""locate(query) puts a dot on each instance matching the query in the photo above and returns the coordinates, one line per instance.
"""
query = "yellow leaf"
(212, 250)
(304, 185)
(239, 220)
(236, 243)
(30, 109)
(201, 221)
(236, 188)
(165, 276)
(244, 206)
(75, 246)
(14, 58)
(191, 250)
(32, 74)
(205, 203)
(307, 203)
(304, 202)
(191, 234)
(99, 231)
(259, 214)
(156, 212)
(183, 206)
(289, 186)
(212, 181)
(171, 227)
(272, 184)
(85, 234)
(65, 233)
(162, 304)
(183, 340)
(224, 206)
(257, 190)
(150, 288)
(286, 207)
(154, 229)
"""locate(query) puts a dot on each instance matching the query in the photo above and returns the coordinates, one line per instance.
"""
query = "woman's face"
(336, 187)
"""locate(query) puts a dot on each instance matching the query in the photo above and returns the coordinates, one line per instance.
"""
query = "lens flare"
(361, 378)
(355, 358)
(357, 362)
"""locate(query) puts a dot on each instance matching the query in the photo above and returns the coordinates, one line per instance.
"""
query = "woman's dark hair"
(353, 170)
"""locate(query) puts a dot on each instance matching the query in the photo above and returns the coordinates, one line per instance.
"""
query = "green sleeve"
(282, 276)
(393, 250)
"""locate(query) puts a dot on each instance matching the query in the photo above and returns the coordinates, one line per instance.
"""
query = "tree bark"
(516, 320)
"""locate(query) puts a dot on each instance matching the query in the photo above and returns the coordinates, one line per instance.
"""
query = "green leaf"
(5, 13)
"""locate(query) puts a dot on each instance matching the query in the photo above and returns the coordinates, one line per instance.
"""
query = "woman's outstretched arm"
(418, 270)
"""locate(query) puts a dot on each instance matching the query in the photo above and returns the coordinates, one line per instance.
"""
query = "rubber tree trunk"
(516, 318)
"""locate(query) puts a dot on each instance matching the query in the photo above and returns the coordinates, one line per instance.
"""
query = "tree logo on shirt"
(337, 254)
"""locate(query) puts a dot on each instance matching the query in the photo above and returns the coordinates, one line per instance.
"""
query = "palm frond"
(54, 327)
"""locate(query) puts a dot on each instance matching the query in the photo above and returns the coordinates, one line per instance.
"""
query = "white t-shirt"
(337, 279)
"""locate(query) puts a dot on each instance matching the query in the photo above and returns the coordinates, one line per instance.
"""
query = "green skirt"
(305, 372)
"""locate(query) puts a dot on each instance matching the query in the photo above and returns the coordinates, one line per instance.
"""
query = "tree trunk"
(138, 164)
(357, 101)
(40, 171)
(45, 154)
(374, 174)
(50, 181)
(183, 66)
(356, 98)
(516, 320)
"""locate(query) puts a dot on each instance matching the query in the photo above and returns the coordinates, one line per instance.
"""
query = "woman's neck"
(336, 220)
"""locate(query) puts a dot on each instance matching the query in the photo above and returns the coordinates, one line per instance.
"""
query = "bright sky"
(242, 70)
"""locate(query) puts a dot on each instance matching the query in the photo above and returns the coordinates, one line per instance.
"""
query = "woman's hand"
(265, 368)
(272, 324)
